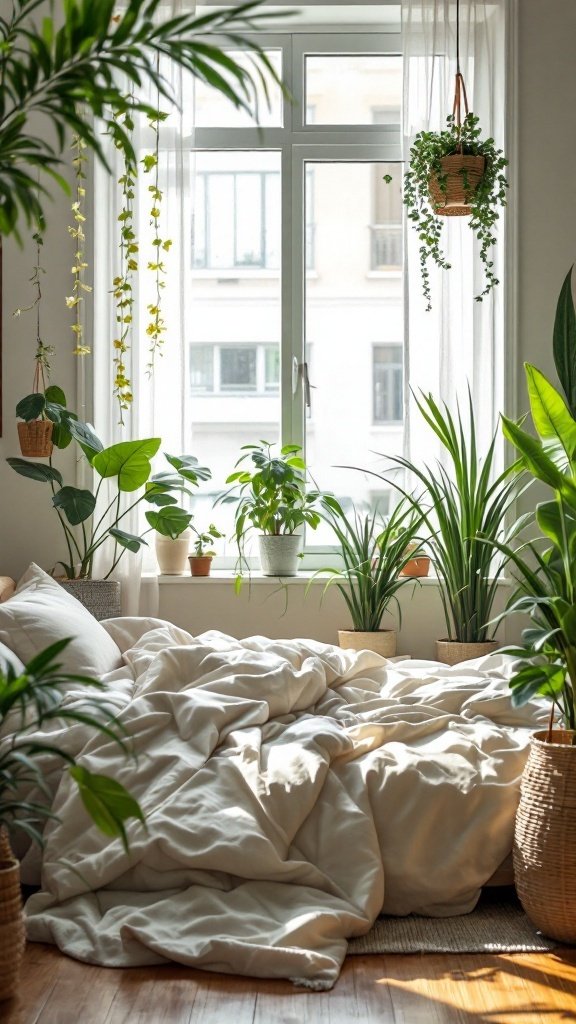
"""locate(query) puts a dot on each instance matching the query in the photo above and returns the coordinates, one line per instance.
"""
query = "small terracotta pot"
(200, 565)
(381, 641)
(419, 566)
(452, 652)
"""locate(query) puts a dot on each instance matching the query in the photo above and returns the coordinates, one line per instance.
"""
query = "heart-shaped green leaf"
(31, 407)
(169, 521)
(129, 461)
(77, 505)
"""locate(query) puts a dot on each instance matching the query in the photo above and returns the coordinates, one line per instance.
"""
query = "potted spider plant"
(454, 172)
(374, 552)
(272, 498)
(30, 699)
(463, 508)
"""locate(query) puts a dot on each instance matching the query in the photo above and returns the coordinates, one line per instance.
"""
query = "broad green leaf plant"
(29, 702)
(128, 467)
(546, 574)
(463, 505)
(68, 68)
(374, 551)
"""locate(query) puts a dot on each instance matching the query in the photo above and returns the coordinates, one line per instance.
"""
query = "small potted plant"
(29, 701)
(201, 560)
(374, 553)
(455, 172)
(273, 498)
(38, 413)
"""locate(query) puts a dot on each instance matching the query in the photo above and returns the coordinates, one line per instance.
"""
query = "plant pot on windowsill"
(452, 652)
(12, 932)
(545, 835)
(418, 565)
(279, 554)
(172, 553)
(381, 641)
(200, 565)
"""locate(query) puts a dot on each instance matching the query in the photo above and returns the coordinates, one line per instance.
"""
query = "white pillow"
(7, 657)
(42, 612)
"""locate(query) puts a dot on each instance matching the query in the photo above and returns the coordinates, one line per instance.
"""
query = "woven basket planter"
(463, 174)
(545, 836)
(100, 597)
(381, 641)
(35, 438)
(452, 652)
(12, 932)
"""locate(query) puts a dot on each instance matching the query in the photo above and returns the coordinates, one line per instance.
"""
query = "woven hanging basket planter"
(35, 438)
(545, 835)
(461, 175)
(12, 932)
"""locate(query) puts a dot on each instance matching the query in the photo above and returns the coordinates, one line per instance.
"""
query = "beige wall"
(546, 248)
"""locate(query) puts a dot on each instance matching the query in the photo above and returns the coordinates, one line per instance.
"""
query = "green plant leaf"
(129, 461)
(83, 433)
(127, 540)
(564, 342)
(533, 454)
(31, 407)
(107, 802)
(55, 394)
(169, 521)
(550, 414)
(78, 505)
(36, 470)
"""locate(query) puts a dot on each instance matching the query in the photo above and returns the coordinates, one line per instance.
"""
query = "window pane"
(249, 215)
(213, 110)
(272, 368)
(238, 369)
(342, 89)
(202, 369)
(355, 320)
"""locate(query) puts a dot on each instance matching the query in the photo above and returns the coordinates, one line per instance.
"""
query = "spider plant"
(374, 551)
(463, 507)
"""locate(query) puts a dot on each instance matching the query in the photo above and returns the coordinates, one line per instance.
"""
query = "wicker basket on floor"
(35, 438)
(463, 174)
(12, 933)
(545, 836)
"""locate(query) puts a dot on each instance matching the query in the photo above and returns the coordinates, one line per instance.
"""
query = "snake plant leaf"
(564, 342)
(31, 407)
(127, 540)
(36, 470)
(128, 461)
(108, 803)
(76, 504)
(169, 521)
(551, 416)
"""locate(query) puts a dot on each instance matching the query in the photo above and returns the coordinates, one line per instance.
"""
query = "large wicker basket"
(463, 174)
(35, 438)
(102, 598)
(12, 933)
(545, 836)
(452, 652)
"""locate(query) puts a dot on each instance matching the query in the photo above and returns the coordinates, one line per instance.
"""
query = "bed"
(292, 791)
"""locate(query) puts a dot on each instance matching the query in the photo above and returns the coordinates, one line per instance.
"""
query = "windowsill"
(378, 275)
(303, 578)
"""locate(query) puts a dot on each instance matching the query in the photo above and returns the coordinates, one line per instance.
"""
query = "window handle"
(300, 370)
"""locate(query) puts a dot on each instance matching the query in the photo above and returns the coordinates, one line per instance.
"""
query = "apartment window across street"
(387, 383)
(234, 369)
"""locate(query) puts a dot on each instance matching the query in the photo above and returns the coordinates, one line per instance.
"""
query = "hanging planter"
(455, 173)
(35, 438)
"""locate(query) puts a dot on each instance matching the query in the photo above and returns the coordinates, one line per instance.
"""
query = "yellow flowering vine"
(123, 282)
(156, 327)
(76, 231)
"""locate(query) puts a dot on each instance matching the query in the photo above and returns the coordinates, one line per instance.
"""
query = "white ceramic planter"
(279, 555)
(172, 555)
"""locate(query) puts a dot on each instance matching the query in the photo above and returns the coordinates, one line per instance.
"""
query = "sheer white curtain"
(459, 341)
(159, 408)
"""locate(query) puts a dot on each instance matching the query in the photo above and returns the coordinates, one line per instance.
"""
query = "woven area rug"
(497, 925)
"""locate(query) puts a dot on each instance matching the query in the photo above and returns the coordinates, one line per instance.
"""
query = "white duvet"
(292, 792)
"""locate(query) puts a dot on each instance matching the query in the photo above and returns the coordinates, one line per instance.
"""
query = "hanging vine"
(156, 327)
(123, 290)
(43, 352)
(76, 231)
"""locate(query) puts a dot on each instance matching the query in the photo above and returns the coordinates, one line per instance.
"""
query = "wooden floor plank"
(392, 989)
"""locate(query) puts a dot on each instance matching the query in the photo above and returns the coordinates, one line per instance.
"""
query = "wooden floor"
(432, 989)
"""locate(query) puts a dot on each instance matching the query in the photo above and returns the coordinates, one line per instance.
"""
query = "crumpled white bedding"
(292, 791)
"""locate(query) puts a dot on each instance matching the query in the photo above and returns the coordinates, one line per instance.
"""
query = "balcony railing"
(385, 246)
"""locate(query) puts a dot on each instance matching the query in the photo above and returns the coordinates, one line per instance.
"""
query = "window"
(387, 381)
(234, 369)
(235, 221)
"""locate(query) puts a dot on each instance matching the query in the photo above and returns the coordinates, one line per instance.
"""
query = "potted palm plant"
(463, 509)
(87, 526)
(374, 552)
(29, 700)
(201, 560)
(273, 498)
(545, 571)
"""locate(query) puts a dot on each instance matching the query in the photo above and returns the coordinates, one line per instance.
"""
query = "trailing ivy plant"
(426, 155)
(76, 232)
(122, 284)
(65, 67)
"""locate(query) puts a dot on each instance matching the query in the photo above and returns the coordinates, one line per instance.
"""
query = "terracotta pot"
(459, 186)
(35, 438)
(12, 932)
(200, 564)
(172, 554)
(545, 835)
(100, 597)
(382, 641)
(419, 566)
(452, 652)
